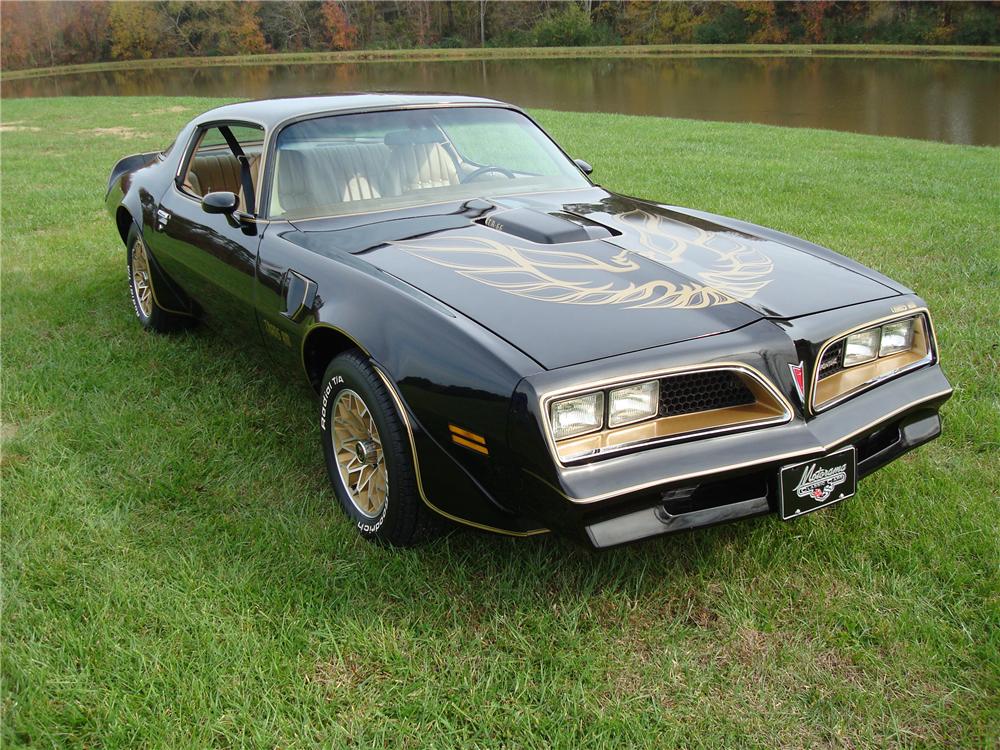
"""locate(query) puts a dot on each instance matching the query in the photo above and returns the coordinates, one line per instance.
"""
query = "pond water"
(956, 101)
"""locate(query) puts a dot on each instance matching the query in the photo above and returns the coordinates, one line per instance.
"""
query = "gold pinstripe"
(416, 466)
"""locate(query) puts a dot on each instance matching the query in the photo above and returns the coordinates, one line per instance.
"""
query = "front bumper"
(891, 441)
(710, 481)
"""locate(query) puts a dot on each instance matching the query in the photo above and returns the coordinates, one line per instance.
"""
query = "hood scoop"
(546, 228)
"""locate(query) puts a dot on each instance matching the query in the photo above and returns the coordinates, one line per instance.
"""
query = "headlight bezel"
(882, 367)
(771, 407)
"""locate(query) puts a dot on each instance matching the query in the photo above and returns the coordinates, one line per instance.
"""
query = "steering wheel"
(476, 174)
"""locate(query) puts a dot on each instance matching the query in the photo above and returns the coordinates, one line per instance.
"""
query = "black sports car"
(499, 341)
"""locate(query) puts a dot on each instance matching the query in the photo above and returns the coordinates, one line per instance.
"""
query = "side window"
(213, 166)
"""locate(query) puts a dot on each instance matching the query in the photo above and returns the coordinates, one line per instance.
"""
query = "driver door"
(213, 256)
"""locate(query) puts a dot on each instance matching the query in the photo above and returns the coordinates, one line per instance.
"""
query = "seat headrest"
(292, 167)
(413, 137)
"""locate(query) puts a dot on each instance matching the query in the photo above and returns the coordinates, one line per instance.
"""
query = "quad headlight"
(897, 337)
(577, 416)
(862, 347)
(633, 403)
(671, 405)
(582, 414)
(862, 359)
(626, 405)
(880, 341)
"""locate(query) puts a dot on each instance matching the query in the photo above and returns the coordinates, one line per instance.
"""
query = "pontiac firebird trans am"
(496, 340)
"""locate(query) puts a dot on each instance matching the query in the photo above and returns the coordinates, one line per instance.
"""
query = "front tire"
(140, 276)
(368, 456)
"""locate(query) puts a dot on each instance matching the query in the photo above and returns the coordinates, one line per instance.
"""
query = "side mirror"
(220, 203)
(584, 166)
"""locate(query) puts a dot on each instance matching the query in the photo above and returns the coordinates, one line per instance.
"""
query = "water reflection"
(957, 101)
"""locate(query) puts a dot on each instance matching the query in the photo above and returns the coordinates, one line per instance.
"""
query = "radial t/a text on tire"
(369, 457)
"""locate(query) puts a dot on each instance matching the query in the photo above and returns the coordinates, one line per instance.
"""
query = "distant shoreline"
(940, 52)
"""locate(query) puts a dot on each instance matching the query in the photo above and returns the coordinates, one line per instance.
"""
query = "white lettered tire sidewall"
(158, 319)
(144, 319)
(403, 520)
(367, 526)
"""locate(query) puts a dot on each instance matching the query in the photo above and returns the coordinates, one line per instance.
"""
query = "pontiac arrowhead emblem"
(800, 382)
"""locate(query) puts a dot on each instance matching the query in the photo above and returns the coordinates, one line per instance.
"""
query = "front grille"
(832, 360)
(702, 391)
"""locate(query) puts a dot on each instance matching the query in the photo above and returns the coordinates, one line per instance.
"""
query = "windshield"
(346, 164)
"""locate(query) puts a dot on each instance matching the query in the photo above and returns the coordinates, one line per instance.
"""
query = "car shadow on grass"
(280, 527)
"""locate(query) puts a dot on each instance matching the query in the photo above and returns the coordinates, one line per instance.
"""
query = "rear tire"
(369, 458)
(151, 316)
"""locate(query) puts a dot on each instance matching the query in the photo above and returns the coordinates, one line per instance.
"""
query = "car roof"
(270, 112)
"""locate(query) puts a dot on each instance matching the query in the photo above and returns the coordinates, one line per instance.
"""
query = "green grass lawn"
(176, 572)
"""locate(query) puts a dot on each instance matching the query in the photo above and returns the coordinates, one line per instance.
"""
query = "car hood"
(568, 281)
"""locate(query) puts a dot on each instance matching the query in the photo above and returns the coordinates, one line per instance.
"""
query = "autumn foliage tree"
(135, 31)
(39, 34)
(337, 28)
(813, 15)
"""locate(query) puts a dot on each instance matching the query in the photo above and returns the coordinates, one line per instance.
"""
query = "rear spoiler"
(129, 164)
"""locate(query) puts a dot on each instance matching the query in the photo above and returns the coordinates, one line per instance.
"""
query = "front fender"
(448, 374)
(446, 371)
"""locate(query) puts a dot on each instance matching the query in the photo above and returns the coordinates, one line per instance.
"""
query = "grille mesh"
(701, 391)
(831, 363)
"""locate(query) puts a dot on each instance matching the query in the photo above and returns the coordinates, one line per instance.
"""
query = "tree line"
(37, 34)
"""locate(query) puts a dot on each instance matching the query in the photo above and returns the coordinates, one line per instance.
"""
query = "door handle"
(162, 217)
(300, 295)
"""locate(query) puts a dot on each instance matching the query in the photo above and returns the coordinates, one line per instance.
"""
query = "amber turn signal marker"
(468, 440)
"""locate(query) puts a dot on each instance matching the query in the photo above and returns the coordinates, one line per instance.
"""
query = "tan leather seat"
(416, 166)
(293, 183)
(358, 188)
(355, 169)
(210, 173)
(323, 176)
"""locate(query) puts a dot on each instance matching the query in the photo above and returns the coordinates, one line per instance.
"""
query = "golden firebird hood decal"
(721, 266)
